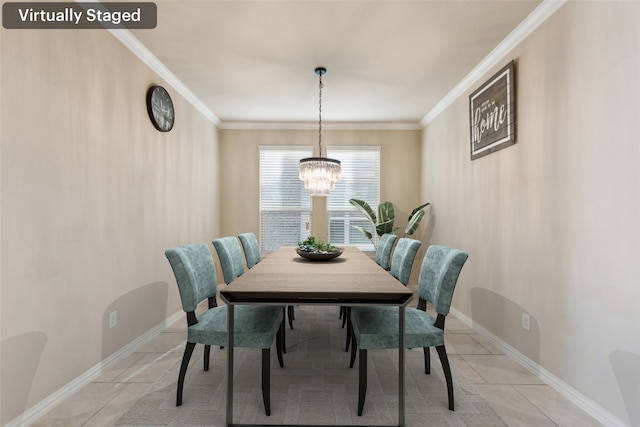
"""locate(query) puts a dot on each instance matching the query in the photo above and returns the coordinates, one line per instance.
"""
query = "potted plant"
(384, 222)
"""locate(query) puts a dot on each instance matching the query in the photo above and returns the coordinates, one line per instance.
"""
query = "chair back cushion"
(251, 248)
(403, 256)
(195, 273)
(231, 259)
(383, 252)
(438, 276)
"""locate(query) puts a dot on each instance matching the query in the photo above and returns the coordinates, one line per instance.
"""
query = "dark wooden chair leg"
(284, 333)
(291, 315)
(442, 352)
(266, 379)
(427, 360)
(347, 314)
(362, 381)
(279, 343)
(207, 352)
(188, 351)
(354, 349)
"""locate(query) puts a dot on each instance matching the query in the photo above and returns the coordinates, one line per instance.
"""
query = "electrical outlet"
(525, 320)
(113, 319)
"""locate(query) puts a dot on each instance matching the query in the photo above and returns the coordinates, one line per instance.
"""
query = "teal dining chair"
(377, 327)
(401, 265)
(232, 263)
(231, 259)
(402, 260)
(383, 256)
(383, 251)
(254, 326)
(251, 249)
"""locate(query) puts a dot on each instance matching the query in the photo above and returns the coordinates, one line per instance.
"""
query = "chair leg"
(207, 352)
(266, 379)
(427, 360)
(354, 349)
(341, 312)
(345, 316)
(362, 381)
(291, 316)
(279, 343)
(284, 333)
(442, 352)
(188, 351)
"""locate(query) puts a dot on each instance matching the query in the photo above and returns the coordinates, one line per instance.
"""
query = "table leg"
(230, 328)
(401, 316)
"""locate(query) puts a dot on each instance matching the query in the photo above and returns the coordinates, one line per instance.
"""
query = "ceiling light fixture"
(320, 174)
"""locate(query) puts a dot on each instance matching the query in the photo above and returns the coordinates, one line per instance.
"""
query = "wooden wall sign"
(493, 112)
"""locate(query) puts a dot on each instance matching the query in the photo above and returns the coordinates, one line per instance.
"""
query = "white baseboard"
(589, 406)
(41, 408)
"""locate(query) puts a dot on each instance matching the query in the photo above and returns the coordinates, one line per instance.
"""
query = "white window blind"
(285, 205)
(360, 180)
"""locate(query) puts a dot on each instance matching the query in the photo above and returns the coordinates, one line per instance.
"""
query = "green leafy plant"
(316, 245)
(384, 222)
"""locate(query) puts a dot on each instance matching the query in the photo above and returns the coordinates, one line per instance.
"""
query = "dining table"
(285, 278)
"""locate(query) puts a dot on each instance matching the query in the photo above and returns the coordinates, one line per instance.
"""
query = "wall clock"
(160, 108)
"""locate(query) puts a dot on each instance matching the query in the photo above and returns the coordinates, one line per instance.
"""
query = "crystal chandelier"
(319, 174)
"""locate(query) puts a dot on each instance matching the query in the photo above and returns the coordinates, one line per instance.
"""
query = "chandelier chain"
(320, 115)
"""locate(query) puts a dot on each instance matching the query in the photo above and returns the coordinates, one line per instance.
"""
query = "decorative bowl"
(319, 256)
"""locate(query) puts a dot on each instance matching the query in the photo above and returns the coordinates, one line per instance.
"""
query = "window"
(285, 205)
(360, 180)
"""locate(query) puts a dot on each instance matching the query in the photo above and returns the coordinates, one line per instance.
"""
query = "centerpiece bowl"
(315, 249)
(319, 256)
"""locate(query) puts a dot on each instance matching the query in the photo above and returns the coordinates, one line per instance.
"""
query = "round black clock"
(160, 108)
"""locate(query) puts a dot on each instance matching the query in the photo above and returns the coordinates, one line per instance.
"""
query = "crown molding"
(526, 27)
(521, 32)
(325, 125)
(135, 46)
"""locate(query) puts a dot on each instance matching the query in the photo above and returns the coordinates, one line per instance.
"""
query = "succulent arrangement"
(316, 245)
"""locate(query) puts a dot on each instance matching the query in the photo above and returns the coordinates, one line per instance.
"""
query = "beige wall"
(91, 197)
(551, 223)
(240, 192)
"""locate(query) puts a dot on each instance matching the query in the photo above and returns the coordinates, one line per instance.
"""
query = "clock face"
(160, 108)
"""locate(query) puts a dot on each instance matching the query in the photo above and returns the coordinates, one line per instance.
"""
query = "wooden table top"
(284, 277)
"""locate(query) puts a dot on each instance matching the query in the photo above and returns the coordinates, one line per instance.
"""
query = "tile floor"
(519, 397)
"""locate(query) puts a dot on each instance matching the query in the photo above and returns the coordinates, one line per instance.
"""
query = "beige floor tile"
(555, 406)
(114, 371)
(81, 406)
(486, 343)
(463, 344)
(165, 341)
(120, 404)
(500, 369)
(457, 326)
(462, 367)
(512, 407)
(149, 368)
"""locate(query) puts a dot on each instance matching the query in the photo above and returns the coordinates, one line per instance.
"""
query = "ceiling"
(388, 62)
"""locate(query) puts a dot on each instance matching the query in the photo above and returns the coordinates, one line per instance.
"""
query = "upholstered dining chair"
(383, 251)
(377, 327)
(383, 256)
(251, 249)
(231, 259)
(232, 263)
(402, 260)
(401, 265)
(254, 326)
